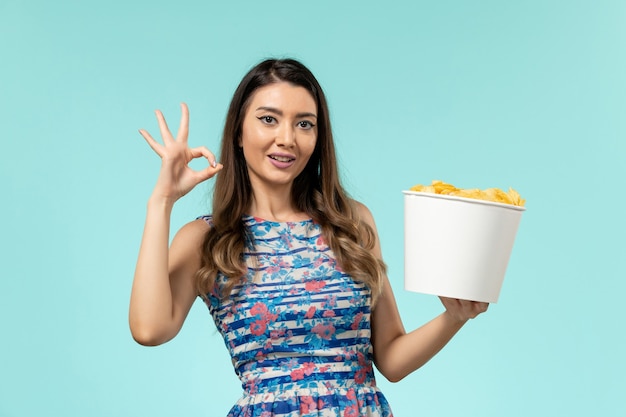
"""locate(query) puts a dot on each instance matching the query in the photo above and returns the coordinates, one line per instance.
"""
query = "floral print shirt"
(298, 328)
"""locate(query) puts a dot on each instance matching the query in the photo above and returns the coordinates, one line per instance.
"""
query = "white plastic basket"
(457, 247)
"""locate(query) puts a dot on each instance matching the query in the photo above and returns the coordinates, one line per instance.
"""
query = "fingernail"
(214, 163)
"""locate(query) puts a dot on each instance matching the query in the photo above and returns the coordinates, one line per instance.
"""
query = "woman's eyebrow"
(280, 112)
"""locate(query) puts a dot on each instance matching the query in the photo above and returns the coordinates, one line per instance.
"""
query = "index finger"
(165, 130)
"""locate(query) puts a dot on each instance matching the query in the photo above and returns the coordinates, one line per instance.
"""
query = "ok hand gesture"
(176, 178)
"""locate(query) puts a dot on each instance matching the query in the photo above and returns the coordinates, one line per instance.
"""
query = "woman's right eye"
(267, 119)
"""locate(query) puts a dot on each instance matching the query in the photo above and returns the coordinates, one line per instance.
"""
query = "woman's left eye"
(305, 124)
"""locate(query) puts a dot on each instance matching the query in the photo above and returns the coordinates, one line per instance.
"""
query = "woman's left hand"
(463, 310)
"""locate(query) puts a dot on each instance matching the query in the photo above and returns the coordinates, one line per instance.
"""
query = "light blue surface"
(484, 93)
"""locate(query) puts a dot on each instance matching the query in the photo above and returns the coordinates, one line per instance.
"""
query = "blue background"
(529, 94)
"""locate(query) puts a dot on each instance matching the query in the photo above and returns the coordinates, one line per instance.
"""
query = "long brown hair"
(317, 191)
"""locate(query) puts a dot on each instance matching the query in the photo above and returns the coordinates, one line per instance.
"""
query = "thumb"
(208, 172)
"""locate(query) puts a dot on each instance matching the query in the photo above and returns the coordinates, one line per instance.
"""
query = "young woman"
(289, 266)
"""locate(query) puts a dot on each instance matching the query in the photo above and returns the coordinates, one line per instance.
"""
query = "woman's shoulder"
(189, 238)
(196, 229)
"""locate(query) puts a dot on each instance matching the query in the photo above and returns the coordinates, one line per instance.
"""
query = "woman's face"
(279, 133)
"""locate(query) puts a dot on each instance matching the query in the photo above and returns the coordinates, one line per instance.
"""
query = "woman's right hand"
(176, 177)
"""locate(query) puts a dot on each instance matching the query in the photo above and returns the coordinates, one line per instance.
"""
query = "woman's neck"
(275, 205)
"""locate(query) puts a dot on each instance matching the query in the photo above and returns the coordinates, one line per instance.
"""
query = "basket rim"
(463, 199)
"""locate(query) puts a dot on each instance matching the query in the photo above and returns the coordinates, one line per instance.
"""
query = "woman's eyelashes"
(302, 124)
(268, 120)
(305, 124)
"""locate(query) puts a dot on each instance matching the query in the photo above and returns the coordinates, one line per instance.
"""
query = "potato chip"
(490, 194)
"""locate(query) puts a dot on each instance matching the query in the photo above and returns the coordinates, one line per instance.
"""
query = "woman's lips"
(281, 161)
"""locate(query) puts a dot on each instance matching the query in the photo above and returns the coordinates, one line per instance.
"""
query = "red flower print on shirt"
(331, 301)
(297, 374)
(351, 411)
(269, 317)
(357, 320)
(359, 376)
(308, 368)
(258, 327)
(364, 368)
(314, 285)
(272, 269)
(275, 334)
(320, 404)
(258, 309)
(325, 331)
(307, 404)
(351, 395)
(310, 313)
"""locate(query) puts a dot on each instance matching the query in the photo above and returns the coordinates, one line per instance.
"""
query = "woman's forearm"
(410, 351)
(151, 297)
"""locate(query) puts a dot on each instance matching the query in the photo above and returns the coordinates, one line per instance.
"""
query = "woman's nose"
(286, 136)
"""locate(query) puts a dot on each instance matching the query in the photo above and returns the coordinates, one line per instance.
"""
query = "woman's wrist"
(158, 202)
(454, 320)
